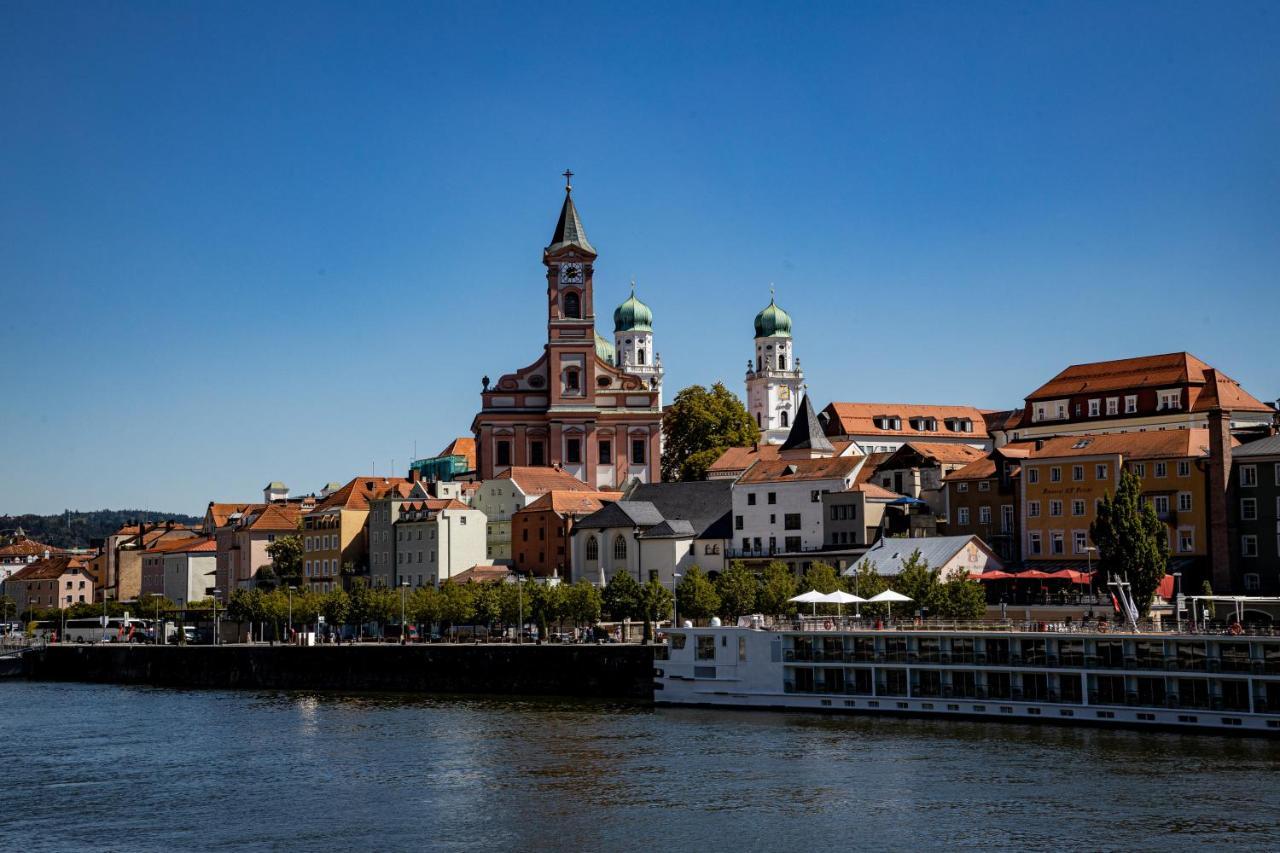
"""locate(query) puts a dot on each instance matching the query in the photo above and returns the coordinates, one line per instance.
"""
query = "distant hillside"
(74, 529)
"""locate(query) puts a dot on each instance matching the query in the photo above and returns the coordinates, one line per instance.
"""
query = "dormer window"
(1170, 400)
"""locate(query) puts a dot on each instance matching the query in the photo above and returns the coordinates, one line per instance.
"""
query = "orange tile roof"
(736, 459)
(1161, 444)
(1209, 387)
(276, 518)
(357, 493)
(220, 513)
(540, 480)
(25, 547)
(859, 418)
(432, 505)
(180, 545)
(52, 568)
(982, 469)
(482, 573)
(782, 470)
(946, 453)
(871, 490)
(874, 461)
(563, 502)
(462, 446)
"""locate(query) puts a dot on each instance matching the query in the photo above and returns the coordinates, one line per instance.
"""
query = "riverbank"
(588, 671)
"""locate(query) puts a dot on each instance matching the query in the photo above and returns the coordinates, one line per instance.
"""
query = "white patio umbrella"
(888, 597)
(811, 597)
(840, 598)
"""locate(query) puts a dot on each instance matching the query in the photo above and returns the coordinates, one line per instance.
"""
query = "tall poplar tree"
(1133, 543)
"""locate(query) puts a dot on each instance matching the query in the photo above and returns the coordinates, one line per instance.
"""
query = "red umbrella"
(1035, 573)
(993, 575)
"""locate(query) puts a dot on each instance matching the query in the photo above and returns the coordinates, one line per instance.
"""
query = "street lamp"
(520, 609)
(636, 531)
(675, 599)
(290, 592)
(403, 586)
(216, 592)
(156, 624)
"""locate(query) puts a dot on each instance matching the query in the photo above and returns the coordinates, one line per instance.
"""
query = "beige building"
(437, 540)
(242, 542)
(511, 491)
(126, 548)
(334, 534)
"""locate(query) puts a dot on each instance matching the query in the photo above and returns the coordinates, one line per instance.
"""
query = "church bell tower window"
(572, 306)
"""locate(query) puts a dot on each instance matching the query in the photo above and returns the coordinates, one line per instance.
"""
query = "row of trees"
(738, 591)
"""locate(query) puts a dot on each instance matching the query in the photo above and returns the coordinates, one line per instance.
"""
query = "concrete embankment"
(608, 671)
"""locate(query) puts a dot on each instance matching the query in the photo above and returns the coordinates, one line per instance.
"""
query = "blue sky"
(247, 242)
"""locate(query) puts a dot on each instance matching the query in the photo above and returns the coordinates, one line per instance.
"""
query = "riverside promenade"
(611, 671)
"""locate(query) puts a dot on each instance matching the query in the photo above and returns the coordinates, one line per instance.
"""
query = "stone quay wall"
(597, 671)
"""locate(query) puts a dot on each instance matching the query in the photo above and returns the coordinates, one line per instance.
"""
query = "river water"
(120, 768)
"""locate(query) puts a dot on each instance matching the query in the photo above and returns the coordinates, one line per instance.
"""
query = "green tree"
(266, 579)
(916, 580)
(1132, 541)
(336, 607)
(286, 560)
(423, 606)
(360, 606)
(456, 605)
(866, 582)
(655, 605)
(778, 585)
(488, 603)
(584, 603)
(622, 597)
(698, 426)
(696, 595)
(959, 598)
(821, 577)
(1206, 588)
(738, 588)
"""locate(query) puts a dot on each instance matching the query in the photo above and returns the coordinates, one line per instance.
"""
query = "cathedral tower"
(774, 378)
(633, 342)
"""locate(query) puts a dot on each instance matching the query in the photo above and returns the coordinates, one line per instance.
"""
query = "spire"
(806, 431)
(569, 230)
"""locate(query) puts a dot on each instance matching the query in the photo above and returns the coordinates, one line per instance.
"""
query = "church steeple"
(806, 439)
(569, 231)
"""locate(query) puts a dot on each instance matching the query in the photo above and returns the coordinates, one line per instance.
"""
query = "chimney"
(415, 474)
(1219, 483)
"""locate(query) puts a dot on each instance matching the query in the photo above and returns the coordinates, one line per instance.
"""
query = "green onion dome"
(773, 322)
(604, 349)
(632, 315)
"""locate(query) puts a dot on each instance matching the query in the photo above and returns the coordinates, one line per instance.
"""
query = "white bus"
(119, 629)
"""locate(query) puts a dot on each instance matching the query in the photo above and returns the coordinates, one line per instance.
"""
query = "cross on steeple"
(567, 175)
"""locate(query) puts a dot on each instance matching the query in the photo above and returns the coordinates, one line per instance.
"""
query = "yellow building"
(334, 534)
(1065, 478)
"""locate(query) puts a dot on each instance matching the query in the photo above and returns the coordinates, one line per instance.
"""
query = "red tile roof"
(735, 459)
(982, 469)
(783, 470)
(1161, 444)
(463, 446)
(859, 419)
(276, 518)
(50, 569)
(357, 493)
(871, 490)
(24, 547)
(944, 452)
(563, 502)
(538, 480)
(1208, 387)
(874, 461)
(482, 573)
(220, 513)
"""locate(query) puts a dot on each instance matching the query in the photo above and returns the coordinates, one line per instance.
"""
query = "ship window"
(706, 649)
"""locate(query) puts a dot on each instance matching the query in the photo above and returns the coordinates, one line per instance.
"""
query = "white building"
(508, 493)
(437, 540)
(633, 342)
(190, 572)
(774, 378)
(953, 555)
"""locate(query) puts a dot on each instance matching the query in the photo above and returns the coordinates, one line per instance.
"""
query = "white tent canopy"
(842, 597)
(888, 597)
(811, 597)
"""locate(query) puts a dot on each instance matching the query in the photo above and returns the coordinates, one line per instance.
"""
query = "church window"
(619, 547)
(784, 418)
(573, 451)
(504, 452)
(782, 361)
(758, 424)
(571, 382)
(606, 452)
(639, 356)
(593, 548)
(572, 306)
(637, 451)
(536, 453)
(759, 364)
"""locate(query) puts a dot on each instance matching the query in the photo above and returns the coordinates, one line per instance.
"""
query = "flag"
(1114, 603)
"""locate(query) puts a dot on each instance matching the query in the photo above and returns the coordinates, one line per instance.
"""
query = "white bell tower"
(774, 377)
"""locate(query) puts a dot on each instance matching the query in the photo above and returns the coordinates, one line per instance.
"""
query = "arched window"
(571, 380)
(759, 365)
(758, 424)
(785, 418)
(639, 356)
(572, 306)
(619, 547)
(593, 548)
(782, 361)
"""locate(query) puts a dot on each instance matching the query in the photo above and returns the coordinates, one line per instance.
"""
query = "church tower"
(774, 378)
(633, 342)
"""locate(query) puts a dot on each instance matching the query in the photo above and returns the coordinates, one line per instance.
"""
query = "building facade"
(335, 534)
(53, 582)
(572, 408)
(775, 381)
(1254, 510)
(983, 499)
(885, 427)
(437, 540)
(508, 493)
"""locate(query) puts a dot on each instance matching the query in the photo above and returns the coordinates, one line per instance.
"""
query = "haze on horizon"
(247, 243)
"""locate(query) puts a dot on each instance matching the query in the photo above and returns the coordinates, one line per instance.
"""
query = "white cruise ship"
(1171, 680)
